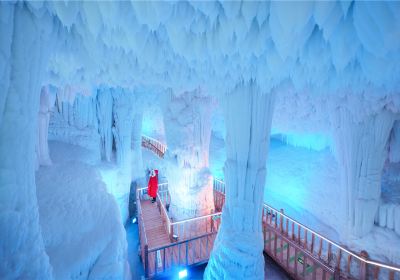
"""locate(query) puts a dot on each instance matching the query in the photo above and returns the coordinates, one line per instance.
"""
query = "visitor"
(152, 187)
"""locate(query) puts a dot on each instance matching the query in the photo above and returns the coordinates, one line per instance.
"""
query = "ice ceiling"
(305, 50)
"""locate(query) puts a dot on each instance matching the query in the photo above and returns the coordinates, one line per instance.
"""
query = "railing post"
(336, 274)
(171, 232)
(281, 221)
(212, 223)
(146, 260)
(363, 265)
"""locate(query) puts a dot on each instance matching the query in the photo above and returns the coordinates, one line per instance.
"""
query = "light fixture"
(134, 221)
(182, 274)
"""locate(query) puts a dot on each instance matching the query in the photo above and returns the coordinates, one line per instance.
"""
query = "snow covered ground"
(81, 223)
(304, 183)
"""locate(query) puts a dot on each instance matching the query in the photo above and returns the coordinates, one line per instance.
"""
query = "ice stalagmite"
(42, 147)
(237, 252)
(22, 253)
(361, 150)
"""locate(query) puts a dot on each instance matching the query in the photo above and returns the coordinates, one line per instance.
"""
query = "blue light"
(182, 274)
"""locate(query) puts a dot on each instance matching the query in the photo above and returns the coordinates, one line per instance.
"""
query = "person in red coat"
(152, 187)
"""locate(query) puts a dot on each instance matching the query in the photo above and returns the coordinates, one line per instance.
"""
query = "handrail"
(140, 212)
(196, 218)
(375, 263)
(153, 139)
(181, 242)
(157, 147)
(184, 220)
(165, 213)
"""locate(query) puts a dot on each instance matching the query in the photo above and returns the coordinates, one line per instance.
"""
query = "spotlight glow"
(182, 274)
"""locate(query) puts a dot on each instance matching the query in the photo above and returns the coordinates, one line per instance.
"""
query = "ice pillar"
(22, 252)
(123, 101)
(137, 159)
(42, 147)
(104, 115)
(187, 121)
(238, 248)
(361, 150)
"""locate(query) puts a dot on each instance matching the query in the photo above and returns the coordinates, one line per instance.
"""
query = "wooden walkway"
(301, 252)
(160, 254)
(156, 233)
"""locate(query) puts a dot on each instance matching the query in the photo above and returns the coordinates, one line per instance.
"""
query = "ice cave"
(210, 140)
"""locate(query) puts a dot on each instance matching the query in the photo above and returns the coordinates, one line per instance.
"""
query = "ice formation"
(330, 67)
(187, 122)
(240, 236)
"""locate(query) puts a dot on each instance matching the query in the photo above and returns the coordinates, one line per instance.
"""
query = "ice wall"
(237, 252)
(361, 138)
(23, 43)
(187, 122)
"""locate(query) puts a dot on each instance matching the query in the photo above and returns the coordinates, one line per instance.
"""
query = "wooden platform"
(156, 233)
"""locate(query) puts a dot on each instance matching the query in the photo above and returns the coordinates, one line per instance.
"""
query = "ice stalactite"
(237, 252)
(361, 151)
(47, 100)
(22, 254)
(74, 119)
(137, 158)
(105, 117)
(394, 148)
(187, 120)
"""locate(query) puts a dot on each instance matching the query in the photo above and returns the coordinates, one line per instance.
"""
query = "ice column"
(123, 101)
(22, 252)
(361, 150)
(42, 147)
(137, 159)
(104, 116)
(237, 252)
(187, 121)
